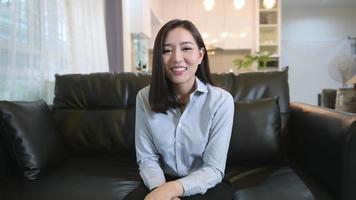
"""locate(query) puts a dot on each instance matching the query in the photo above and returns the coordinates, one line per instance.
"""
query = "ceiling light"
(269, 4)
(224, 34)
(211, 53)
(242, 34)
(209, 4)
(239, 4)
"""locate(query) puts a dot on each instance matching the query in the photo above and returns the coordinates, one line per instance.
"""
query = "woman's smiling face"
(181, 57)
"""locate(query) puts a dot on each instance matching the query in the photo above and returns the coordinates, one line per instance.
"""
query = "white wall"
(312, 37)
(222, 18)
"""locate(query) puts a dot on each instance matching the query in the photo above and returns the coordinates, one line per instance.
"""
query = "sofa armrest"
(323, 143)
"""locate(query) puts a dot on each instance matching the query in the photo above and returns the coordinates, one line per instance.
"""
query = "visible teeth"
(179, 69)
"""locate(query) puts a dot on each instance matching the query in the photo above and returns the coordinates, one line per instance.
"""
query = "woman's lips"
(179, 70)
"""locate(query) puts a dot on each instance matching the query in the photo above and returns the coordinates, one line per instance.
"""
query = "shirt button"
(179, 145)
(179, 125)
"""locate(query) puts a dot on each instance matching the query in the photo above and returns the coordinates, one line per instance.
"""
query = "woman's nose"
(177, 56)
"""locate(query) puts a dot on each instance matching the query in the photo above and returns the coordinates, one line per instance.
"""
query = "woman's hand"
(167, 191)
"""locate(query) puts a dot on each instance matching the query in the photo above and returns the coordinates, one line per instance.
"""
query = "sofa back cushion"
(30, 136)
(95, 112)
(256, 132)
(257, 85)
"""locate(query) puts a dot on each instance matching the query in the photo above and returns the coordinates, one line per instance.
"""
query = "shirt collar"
(201, 87)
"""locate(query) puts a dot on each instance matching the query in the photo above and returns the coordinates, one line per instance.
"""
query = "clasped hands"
(167, 191)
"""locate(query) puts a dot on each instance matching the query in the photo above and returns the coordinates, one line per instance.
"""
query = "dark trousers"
(221, 191)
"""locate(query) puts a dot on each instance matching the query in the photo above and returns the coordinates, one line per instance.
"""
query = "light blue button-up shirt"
(192, 145)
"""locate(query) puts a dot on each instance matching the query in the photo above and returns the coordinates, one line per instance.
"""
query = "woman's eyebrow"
(182, 43)
(187, 42)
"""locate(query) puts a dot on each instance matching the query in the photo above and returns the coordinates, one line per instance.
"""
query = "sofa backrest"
(5, 161)
(96, 112)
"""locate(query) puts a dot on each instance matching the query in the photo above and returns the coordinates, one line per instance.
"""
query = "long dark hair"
(161, 95)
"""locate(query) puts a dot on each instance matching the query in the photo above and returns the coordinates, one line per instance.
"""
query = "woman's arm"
(146, 153)
(170, 190)
(148, 159)
(215, 153)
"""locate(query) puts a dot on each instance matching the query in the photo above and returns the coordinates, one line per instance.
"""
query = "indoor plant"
(247, 61)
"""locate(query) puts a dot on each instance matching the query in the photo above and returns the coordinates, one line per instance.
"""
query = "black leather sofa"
(82, 147)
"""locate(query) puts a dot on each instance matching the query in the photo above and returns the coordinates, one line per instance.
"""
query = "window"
(40, 38)
(33, 46)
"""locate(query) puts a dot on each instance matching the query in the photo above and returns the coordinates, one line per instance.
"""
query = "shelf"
(268, 10)
(268, 22)
(268, 26)
(268, 44)
(268, 17)
(270, 49)
(268, 36)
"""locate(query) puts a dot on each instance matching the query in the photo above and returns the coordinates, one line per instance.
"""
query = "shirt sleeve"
(215, 154)
(146, 153)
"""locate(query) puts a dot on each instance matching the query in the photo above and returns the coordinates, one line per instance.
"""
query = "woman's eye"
(167, 51)
(187, 48)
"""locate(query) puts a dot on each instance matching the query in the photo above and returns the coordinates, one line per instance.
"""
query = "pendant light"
(239, 4)
(269, 4)
(209, 4)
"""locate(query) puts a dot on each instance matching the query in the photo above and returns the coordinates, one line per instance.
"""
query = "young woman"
(183, 122)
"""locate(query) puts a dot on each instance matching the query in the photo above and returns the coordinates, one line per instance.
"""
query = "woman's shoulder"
(219, 93)
(220, 99)
(142, 95)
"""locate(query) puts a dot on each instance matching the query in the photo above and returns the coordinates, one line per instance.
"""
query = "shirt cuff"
(155, 182)
(190, 187)
(152, 181)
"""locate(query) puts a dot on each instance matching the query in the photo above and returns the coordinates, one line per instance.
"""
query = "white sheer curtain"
(41, 38)
(88, 38)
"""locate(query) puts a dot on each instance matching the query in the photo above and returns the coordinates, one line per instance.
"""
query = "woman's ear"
(201, 54)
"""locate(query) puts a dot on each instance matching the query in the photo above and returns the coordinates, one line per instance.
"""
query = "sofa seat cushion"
(272, 182)
(86, 178)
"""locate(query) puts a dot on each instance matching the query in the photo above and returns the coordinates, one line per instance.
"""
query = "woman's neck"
(183, 92)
